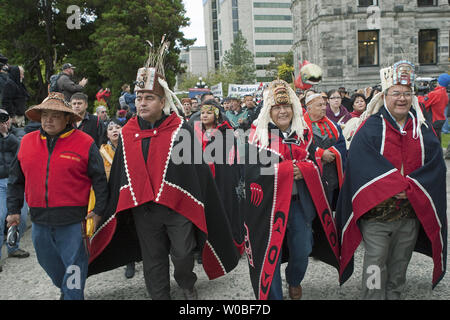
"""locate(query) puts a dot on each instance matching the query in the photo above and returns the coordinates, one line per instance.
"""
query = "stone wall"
(326, 33)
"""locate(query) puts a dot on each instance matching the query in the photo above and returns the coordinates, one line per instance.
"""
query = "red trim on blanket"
(425, 212)
(280, 213)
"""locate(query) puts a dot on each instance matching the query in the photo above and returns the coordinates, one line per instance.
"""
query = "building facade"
(351, 40)
(195, 60)
(265, 24)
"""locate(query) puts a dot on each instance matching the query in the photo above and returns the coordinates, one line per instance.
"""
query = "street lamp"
(201, 84)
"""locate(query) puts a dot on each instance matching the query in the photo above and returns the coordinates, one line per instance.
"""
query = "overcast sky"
(194, 10)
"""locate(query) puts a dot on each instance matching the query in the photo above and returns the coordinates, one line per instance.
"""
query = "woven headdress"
(278, 93)
(151, 77)
(402, 73)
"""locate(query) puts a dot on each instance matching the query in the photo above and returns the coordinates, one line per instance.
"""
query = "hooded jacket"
(15, 95)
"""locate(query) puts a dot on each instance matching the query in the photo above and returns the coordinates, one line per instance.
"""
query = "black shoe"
(129, 270)
(19, 253)
(1, 268)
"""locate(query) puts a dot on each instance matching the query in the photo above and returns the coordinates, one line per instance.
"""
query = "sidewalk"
(24, 279)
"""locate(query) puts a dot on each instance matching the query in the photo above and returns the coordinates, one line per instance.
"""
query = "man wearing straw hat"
(394, 193)
(56, 168)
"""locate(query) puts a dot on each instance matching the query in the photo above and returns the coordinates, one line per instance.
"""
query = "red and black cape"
(187, 188)
(268, 198)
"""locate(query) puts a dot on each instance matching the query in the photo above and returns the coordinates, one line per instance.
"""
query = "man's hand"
(83, 82)
(297, 173)
(328, 156)
(13, 220)
(96, 218)
(4, 129)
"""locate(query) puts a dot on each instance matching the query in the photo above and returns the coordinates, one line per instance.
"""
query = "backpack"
(122, 102)
(53, 86)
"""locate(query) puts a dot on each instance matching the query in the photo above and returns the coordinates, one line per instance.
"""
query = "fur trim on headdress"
(262, 123)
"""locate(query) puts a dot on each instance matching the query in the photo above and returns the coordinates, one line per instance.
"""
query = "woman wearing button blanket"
(285, 198)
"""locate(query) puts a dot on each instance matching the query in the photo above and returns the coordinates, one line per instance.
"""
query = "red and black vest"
(59, 178)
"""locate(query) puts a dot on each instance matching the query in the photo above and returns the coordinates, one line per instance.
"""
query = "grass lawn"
(445, 140)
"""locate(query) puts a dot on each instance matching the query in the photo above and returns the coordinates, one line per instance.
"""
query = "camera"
(424, 85)
(13, 236)
(3, 117)
(377, 88)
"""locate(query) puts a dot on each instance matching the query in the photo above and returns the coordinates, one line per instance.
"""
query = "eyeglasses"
(278, 108)
(397, 94)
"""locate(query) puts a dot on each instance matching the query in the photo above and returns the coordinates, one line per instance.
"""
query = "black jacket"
(15, 95)
(93, 127)
(3, 80)
(8, 150)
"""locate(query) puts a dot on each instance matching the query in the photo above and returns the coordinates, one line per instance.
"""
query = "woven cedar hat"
(56, 102)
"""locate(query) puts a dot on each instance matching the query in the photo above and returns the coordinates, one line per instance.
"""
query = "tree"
(189, 80)
(282, 66)
(35, 34)
(108, 48)
(121, 36)
(240, 60)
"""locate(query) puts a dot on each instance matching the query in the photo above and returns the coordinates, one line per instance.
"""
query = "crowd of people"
(282, 177)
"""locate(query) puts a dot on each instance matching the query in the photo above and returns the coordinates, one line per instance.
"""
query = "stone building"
(351, 40)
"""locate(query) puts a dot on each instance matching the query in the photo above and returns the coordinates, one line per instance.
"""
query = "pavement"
(24, 279)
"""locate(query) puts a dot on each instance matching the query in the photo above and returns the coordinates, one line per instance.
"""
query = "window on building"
(272, 42)
(271, 5)
(234, 13)
(367, 3)
(272, 17)
(428, 46)
(235, 25)
(368, 49)
(272, 30)
(426, 3)
(268, 54)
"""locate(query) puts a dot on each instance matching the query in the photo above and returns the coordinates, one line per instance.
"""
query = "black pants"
(161, 232)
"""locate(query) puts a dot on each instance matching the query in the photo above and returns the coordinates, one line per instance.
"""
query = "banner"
(197, 92)
(242, 89)
(217, 90)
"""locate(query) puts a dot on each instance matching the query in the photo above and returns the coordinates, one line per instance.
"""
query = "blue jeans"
(62, 253)
(300, 242)
(4, 211)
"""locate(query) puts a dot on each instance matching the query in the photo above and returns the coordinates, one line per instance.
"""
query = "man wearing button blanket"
(160, 206)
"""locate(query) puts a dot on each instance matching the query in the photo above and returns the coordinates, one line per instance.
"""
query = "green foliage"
(108, 49)
(239, 60)
(282, 66)
(445, 140)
